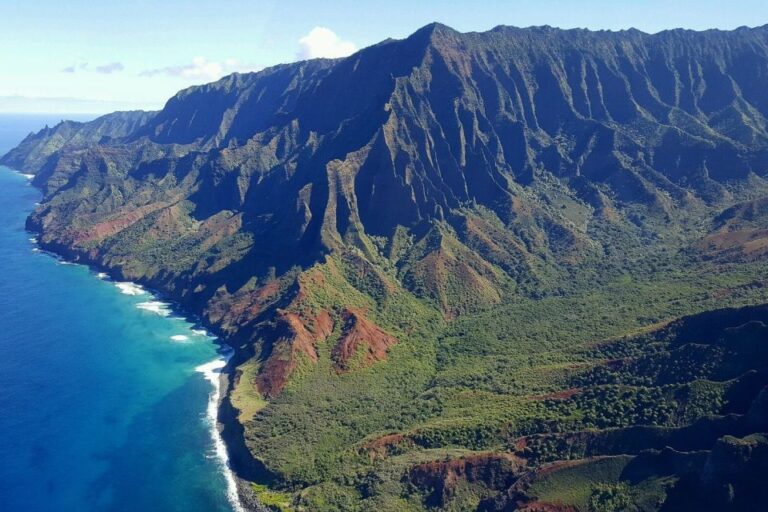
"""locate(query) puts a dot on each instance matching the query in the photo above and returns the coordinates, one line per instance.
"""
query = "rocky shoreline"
(248, 500)
(245, 469)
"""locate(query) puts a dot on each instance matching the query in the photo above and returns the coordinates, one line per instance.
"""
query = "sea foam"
(155, 306)
(130, 288)
(211, 371)
(180, 337)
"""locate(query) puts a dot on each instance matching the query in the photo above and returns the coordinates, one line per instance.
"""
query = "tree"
(609, 498)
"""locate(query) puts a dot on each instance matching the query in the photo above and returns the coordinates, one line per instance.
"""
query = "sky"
(70, 56)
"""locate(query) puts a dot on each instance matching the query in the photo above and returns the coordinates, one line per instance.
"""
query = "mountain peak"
(436, 27)
(432, 32)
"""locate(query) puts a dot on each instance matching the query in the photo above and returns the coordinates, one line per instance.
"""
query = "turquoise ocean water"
(104, 401)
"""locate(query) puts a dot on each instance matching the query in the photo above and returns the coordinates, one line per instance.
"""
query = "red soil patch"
(521, 443)
(112, 227)
(302, 339)
(244, 306)
(558, 395)
(295, 335)
(384, 446)
(314, 277)
(387, 440)
(463, 467)
(323, 325)
(495, 470)
(743, 244)
(270, 289)
(361, 334)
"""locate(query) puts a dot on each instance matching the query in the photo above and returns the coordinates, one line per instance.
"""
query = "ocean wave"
(130, 288)
(180, 337)
(155, 306)
(211, 371)
(33, 239)
(102, 275)
(28, 176)
(201, 332)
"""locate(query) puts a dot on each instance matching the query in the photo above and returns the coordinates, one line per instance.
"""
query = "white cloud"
(323, 42)
(201, 69)
(105, 69)
(108, 69)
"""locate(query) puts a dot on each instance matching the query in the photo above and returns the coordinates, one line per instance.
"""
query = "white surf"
(211, 371)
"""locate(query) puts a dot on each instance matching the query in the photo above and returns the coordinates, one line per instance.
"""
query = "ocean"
(106, 393)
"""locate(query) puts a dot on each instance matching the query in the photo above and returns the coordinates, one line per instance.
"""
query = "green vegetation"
(466, 389)
(609, 498)
(576, 484)
(280, 502)
(459, 271)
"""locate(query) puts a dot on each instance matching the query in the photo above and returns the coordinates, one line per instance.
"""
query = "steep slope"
(409, 247)
(739, 232)
(34, 150)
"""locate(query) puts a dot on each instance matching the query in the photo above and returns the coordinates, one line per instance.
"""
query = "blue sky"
(89, 56)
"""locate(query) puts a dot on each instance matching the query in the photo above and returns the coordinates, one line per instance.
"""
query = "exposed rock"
(295, 337)
(360, 335)
(497, 471)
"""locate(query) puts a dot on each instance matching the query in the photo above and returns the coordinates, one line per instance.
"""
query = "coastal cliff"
(448, 265)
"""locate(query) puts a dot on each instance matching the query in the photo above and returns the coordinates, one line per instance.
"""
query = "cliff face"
(443, 120)
(328, 214)
(547, 131)
(31, 154)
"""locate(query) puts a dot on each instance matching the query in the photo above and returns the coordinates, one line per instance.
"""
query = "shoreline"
(226, 431)
(213, 373)
(216, 371)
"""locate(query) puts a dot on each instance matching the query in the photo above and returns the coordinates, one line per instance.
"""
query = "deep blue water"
(100, 409)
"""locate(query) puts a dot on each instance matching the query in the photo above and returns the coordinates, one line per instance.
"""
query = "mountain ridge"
(348, 225)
